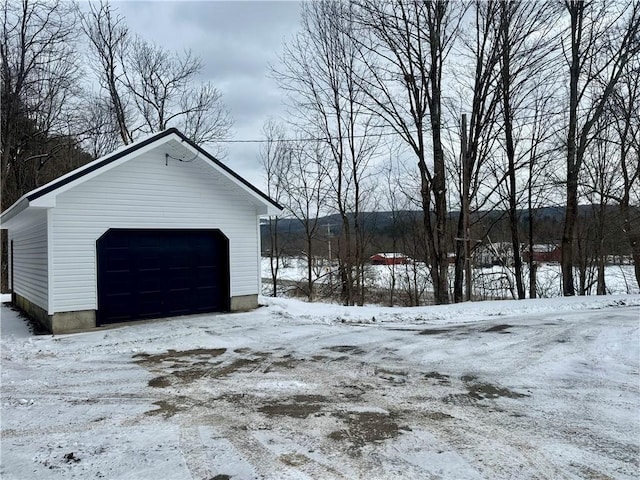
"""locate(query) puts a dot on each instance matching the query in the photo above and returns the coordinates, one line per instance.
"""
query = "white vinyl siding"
(148, 192)
(30, 264)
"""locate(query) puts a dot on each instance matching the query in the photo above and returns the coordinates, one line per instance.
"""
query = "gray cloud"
(236, 42)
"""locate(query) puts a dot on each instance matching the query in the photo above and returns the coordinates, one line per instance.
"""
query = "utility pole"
(330, 269)
(329, 225)
(466, 183)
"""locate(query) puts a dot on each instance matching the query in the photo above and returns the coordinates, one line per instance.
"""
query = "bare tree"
(38, 85)
(623, 110)
(598, 181)
(477, 145)
(109, 41)
(320, 69)
(100, 132)
(537, 154)
(151, 88)
(603, 38)
(404, 46)
(306, 188)
(39, 76)
(527, 41)
(275, 157)
(164, 89)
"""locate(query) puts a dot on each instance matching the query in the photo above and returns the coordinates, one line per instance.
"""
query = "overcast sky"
(236, 40)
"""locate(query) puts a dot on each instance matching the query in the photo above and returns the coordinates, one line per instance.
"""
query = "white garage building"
(158, 228)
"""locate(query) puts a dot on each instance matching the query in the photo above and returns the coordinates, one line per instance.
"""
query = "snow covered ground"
(488, 283)
(530, 389)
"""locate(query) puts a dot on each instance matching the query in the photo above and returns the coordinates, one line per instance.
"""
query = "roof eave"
(42, 195)
(14, 210)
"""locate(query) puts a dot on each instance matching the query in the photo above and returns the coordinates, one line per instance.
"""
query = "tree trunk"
(441, 257)
(459, 261)
(601, 286)
(570, 217)
(510, 148)
(571, 211)
(274, 255)
(462, 240)
(533, 267)
(309, 268)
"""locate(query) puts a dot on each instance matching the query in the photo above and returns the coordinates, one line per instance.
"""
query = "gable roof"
(83, 172)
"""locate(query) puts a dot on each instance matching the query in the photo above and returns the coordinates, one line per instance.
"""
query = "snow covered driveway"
(531, 389)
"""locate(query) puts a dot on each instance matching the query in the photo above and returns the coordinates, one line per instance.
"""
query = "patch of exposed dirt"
(71, 458)
(396, 377)
(352, 392)
(187, 366)
(294, 459)
(286, 364)
(299, 406)
(592, 474)
(499, 328)
(175, 356)
(232, 397)
(442, 379)
(170, 407)
(346, 349)
(477, 391)
(481, 391)
(160, 382)
(434, 331)
(438, 416)
(83, 401)
(366, 427)
(237, 365)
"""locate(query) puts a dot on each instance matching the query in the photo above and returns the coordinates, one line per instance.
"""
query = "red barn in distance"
(389, 259)
(544, 253)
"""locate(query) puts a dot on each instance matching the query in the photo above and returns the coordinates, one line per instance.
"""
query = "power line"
(309, 139)
(327, 139)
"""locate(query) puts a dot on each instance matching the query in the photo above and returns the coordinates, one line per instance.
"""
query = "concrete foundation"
(69, 322)
(244, 303)
(61, 322)
(81, 321)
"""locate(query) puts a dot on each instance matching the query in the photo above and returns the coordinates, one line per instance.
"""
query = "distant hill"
(384, 220)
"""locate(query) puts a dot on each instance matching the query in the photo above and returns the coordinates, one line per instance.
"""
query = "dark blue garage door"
(160, 273)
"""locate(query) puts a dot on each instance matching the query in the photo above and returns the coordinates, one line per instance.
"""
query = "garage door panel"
(118, 288)
(151, 283)
(117, 262)
(155, 273)
(149, 261)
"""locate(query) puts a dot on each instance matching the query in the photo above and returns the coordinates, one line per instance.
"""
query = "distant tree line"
(401, 231)
(460, 106)
(76, 83)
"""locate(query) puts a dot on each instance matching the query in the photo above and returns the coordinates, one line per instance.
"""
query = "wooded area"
(452, 108)
(460, 108)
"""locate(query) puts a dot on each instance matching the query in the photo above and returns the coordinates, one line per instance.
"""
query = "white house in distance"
(158, 228)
